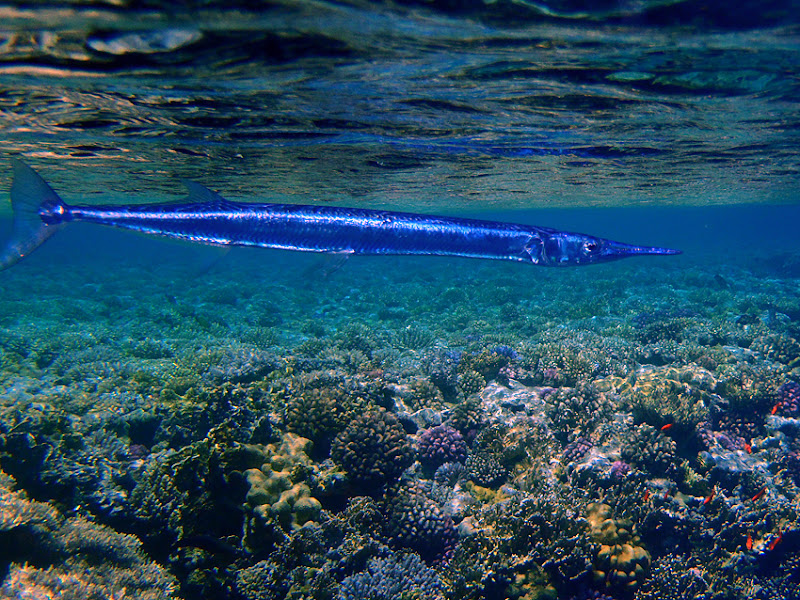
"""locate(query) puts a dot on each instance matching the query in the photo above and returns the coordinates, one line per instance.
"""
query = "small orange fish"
(749, 543)
(776, 541)
(667, 426)
(748, 448)
(775, 408)
(646, 495)
(710, 497)
(666, 494)
(758, 495)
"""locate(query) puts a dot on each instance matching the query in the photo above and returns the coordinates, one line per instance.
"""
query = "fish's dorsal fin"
(202, 195)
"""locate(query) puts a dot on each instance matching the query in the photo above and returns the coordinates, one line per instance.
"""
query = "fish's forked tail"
(31, 200)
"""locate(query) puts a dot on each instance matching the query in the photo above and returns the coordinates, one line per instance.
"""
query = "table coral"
(51, 556)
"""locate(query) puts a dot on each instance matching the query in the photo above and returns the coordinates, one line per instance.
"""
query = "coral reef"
(417, 523)
(52, 556)
(575, 412)
(583, 438)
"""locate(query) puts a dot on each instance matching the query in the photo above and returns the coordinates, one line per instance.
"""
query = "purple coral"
(439, 445)
(619, 470)
(576, 450)
(789, 399)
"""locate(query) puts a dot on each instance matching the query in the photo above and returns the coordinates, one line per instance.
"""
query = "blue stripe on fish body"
(322, 229)
(209, 218)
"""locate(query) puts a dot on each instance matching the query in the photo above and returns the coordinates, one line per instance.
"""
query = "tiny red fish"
(760, 493)
(775, 408)
(749, 543)
(667, 426)
(710, 497)
(776, 541)
(646, 495)
(748, 448)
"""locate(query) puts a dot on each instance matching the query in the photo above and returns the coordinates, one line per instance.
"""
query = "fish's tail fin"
(36, 210)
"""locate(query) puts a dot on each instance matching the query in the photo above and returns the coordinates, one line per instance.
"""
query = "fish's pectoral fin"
(329, 264)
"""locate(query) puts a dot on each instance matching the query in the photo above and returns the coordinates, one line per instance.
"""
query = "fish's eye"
(590, 246)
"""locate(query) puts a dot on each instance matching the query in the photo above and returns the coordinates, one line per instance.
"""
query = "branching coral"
(373, 450)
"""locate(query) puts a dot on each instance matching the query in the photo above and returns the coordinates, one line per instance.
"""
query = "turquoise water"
(181, 422)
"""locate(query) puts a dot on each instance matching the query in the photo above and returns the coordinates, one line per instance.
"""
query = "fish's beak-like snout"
(620, 250)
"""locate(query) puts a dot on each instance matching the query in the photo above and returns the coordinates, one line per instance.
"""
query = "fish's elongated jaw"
(612, 250)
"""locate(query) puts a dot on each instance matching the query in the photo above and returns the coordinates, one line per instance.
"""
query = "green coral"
(778, 347)
(471, 382)
(748, 388)
(320, 405)
(679, 397)
(651, 451)
(424, 395)
(485, 363)
(467, 416)
(575, 412)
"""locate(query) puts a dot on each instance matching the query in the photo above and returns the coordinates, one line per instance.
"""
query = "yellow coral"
(621, 561)
(276, 491)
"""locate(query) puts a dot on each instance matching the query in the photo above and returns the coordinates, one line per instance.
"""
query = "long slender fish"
(208, 218)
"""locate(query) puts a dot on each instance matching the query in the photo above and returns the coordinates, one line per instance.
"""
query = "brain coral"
(373, 450)
(439, 445)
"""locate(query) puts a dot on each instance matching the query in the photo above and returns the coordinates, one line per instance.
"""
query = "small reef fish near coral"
(208, 218)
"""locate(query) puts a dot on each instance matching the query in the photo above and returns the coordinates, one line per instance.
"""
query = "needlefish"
(208, 218)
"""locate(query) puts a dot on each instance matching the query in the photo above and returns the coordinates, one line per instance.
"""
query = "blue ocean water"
(177, 421)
